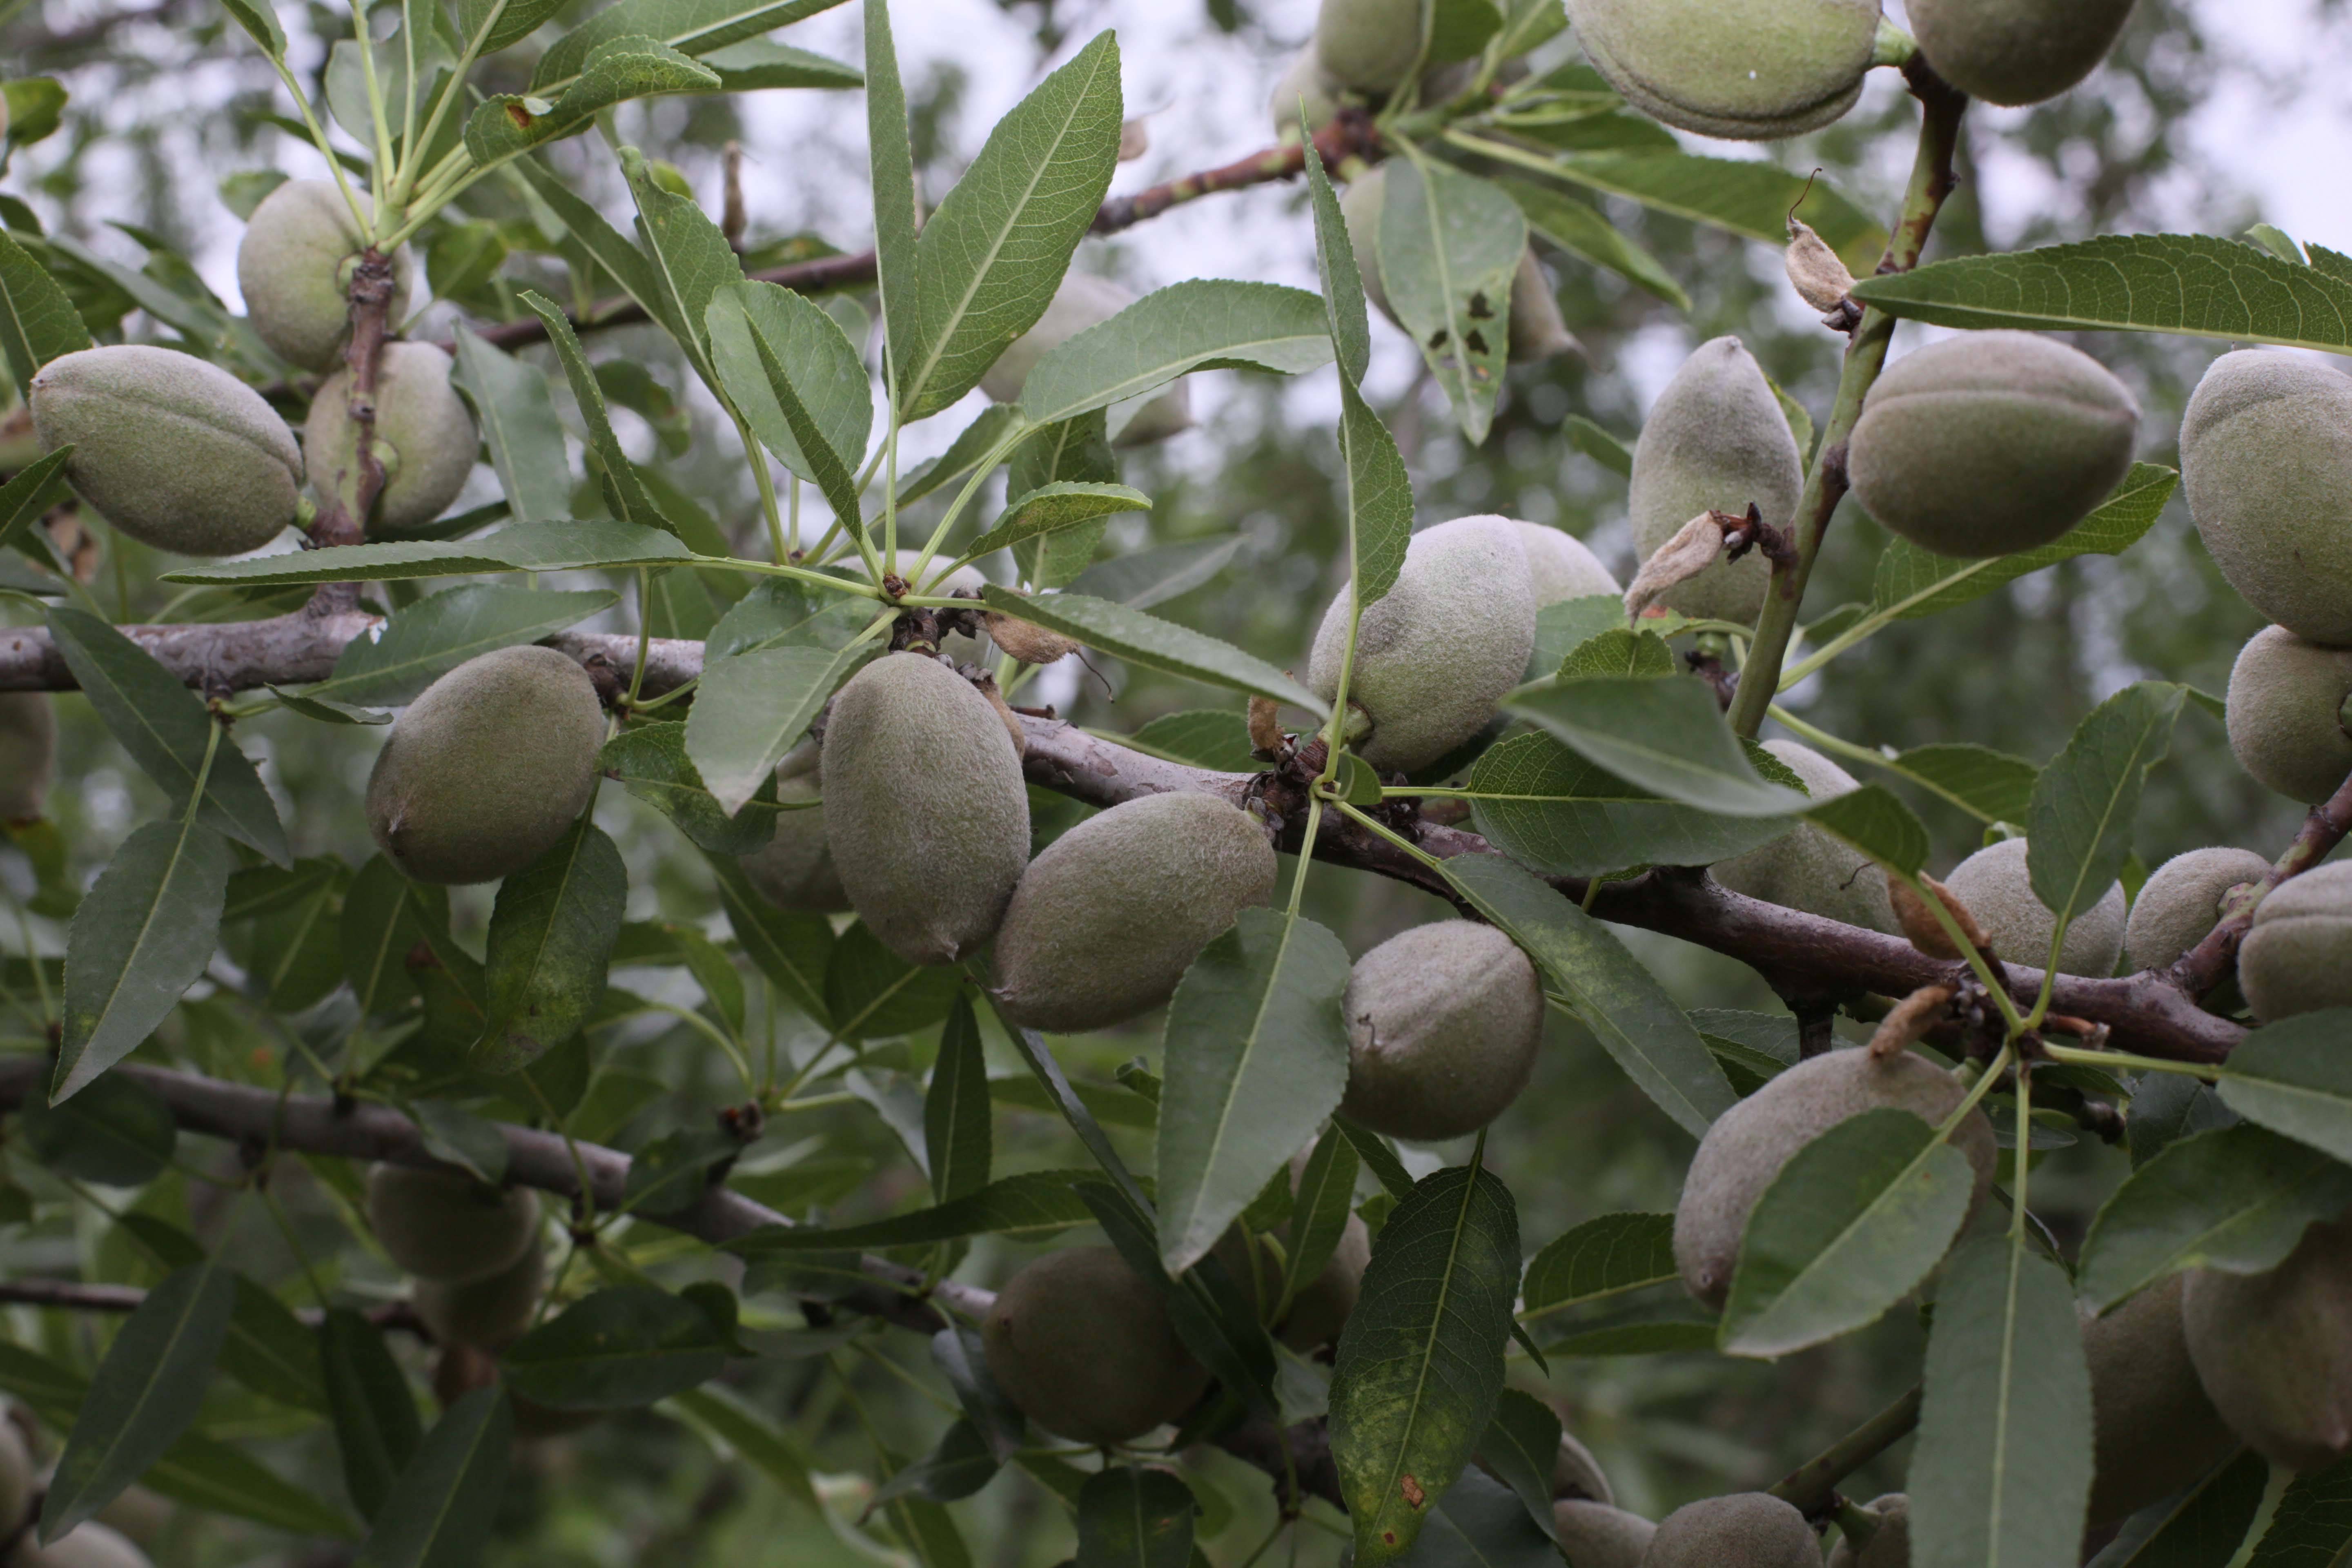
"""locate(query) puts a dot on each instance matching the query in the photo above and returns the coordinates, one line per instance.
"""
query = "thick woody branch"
(74, 1296)
(1800, 955)
(257, 1120)
(1350, 136)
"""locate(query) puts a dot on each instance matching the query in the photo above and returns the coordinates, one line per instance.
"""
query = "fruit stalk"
(1812, 1485)
(1932, 180)
(2203, 967)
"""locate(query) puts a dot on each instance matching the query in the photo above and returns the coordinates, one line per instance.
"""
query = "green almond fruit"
(1560, 566)
(2015, 52)
(2286, 714)
(488, 768)
(2182, 902)
(294, 269)
(2271, 1348)
(1073, 955)
(172, 450)
(926, 811)
(1575, 1473)
(793, 870)
(1305, 81)
(489, 1313)
(1444, 1024)
(1998, 889)
(2297, 955)
(1435, 654)
(1714, 440)
(1889, 1545)
(2156, 1431)
(1749, 1143)
(1990, 442)
(1084, 301)
(1755, 70)
(2267, 464)
(1081, 1344)
(442, 1225)
(1746, 1530)
(29, 754)
(425, 437)
(1808, 869)
(1598, 1535)
(1368, 46)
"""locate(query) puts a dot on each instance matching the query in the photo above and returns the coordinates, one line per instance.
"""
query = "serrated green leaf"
(1135, 1517)
(2079, 825)
(1130, 634)
(550, 939)
(1522, 1446)
(872, 994)
(1874, 821)
(119, 1131)
(2237, 1199)
(1911, 582)
(1607, 1257)
(2192, 284)
(1336, 269)
(753, 708)
(690, 27)
(1851, 1225)
(1582, 230)
(493, 24)
(2293, 1076)
(1449, 242)
(505, 127)
(441, 1508)
(1319, 1211)
(791, 947)
(144, 1394)
(1611, 993)
(1550, 810)
(1052, 508)
(760, 64)
(1990, 785)
(1664, 736)
(37, 321)
(2311, 1526)
(520, 426)
(426, 640)
(519, 547)
(801, 377)
(1420, 1363)
(956, 1124)
(140, 938)
(988, 260)
(2001, 1470)
(1256, 1057)
(651, 762)
(1199, 324)
(1203, 737)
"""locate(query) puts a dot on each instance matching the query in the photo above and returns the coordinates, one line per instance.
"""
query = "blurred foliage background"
(162, 90)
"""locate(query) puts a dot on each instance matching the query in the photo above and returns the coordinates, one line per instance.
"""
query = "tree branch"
(1800, 955)
(256, 1118)
(2205, 965)
(1810, 1486)
(72, 1295)
(1349, 135)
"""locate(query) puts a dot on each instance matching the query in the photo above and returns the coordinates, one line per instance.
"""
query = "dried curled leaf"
(1920, 924)
(1025, 640)
(1690, 552)
(1820, 279)
(1910, 1021)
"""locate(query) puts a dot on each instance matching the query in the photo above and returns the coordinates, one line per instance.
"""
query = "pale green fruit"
(1305, 81)
(424, 437)
(15, 1477)
(1435, 654)
(2016, 51)
(1807, 870)
(1370, 46)
(294, 267)
(1994, 884)
(793, 870)
(172, 450)
(29, 754)
(2287, 714)
(1890, 1547)
(1746, 1530)
(2274, 1351)
(1755, 70)
(2266, 463)
(1559, 566)
(1080, 1344)
(1990, 442)
(1597, 1535)
(2297, 958)
(84, 1546)
(1748, 1143)
(1714, 440)
(925, 813)
(1106, 921)
(2182, 902)
(488, 768)
(1443, 1022)
(2156, 1431)
(440, 1224)
(1084, 301)
(1537, 330)
(485, 1313)
(1575, 1473)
